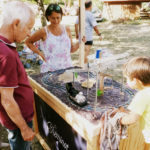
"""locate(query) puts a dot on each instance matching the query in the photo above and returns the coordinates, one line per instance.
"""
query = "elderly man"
(16, 95)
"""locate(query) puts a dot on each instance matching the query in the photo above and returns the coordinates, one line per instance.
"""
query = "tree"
(41, 3)
(41, 7)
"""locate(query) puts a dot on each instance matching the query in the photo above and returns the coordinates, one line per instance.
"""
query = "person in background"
(137, 73)
(90, 24)
(16, 95)
(56, 41)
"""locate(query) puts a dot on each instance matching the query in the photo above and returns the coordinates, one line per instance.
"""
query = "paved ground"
(130, 39)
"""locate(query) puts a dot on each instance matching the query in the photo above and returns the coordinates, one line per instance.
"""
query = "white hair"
(16, 10)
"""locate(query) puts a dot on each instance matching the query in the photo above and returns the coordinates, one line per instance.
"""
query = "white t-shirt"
(90, 22)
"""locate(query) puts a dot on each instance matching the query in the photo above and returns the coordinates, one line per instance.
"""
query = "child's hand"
(130, 118)
(122, 109)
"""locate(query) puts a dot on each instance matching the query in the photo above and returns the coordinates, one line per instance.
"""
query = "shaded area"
(131, 37)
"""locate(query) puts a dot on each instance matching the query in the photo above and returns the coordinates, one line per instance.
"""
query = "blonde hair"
(139, 68)
(16, 10)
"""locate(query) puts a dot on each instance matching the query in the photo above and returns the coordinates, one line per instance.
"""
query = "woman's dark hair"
(53, 8)
(88, 4)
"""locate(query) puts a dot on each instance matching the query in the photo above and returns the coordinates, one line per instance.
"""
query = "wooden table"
(80, 126)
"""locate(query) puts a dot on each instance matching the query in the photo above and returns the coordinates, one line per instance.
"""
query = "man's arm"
(98, 33)
(77, 31)
(13, 111)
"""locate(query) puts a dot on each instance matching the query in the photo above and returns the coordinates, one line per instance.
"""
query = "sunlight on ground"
(117, 39)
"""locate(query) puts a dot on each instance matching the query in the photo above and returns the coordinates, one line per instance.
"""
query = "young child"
(137, 73)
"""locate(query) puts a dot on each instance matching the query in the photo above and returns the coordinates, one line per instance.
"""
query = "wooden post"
(35, 123)
(102, 76)
(82, 31)
(101, 83)
(42, 142)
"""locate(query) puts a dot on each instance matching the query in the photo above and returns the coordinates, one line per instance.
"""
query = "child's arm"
(130, 118)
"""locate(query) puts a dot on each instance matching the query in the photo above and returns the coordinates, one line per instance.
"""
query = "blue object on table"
(98, 53)
(40, 62)
(27, 65)
(19, 53)
(33, 60)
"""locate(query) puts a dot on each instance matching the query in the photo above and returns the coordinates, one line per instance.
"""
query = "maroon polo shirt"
(13, 75)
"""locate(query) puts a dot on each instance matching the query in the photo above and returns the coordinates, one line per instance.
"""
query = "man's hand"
(14, 113)
(77, 36)
(100, 38)
(27, 133)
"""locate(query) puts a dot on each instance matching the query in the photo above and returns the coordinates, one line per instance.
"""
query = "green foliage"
(98, 3)
(46, 2)
(20, 46)
(146, 6)
(32, 1)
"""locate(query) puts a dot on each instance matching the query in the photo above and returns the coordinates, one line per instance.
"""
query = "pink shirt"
(13, 75)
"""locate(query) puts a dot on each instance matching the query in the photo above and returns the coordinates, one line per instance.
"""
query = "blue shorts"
(16, 141)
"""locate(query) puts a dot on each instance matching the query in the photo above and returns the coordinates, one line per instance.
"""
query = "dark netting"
(112, 97)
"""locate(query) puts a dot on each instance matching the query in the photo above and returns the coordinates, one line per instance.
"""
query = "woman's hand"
(42, 56)
(84, 39)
